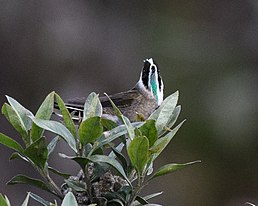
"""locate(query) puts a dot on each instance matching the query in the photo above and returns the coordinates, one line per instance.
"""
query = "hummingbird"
(141, 100)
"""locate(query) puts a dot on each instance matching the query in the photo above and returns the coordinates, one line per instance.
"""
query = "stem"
(137, 189)
(50, 182)
(53, 185)
(88, 183)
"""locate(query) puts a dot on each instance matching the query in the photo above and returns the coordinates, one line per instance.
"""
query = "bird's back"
(130, 103)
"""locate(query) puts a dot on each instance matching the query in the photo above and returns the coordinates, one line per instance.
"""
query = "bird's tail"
(75, 110)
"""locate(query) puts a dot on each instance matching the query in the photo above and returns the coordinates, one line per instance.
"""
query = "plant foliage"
(116, 160)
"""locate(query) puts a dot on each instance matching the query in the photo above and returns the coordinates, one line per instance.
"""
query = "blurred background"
(206, 49)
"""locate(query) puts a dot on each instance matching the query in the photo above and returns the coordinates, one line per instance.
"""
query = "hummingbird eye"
(153, 69)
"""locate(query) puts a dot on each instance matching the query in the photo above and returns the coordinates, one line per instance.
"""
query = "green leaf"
(22, 112)
(116, 202)
(92, 106)
(53, 204)
(66, 115)
(9, 142)
(121, 158)
(156, 113)
(113, 162)
(109, 136)
(69, 200)
(149, 130)
(16, 155)
(37, 152)
(141, 200)
(249, 203)
(147, 197)
(51, 146)
(171, 168)
(22, 179)
(138, 152)
(108, 124)
(116, 110)
(12, 116)
(129, 127)
(90, 130)
(76, 185)
(163, 114)
(26, 201)
(82, 161)
(62, 174)
(3, 200)
(166, 111)
(44, 112)
(59, 129)
(173, 119)
(119, 148)
(162, 142)
(39, 199)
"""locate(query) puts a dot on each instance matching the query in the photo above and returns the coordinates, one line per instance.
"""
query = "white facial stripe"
(159, 90)
(150, 60)
(155, 76)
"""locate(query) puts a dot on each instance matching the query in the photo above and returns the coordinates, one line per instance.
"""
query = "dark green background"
(206, 49)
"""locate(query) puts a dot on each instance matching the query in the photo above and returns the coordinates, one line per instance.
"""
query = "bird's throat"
(154, 89)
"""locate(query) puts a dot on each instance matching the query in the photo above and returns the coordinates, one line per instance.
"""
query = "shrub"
(116, 160)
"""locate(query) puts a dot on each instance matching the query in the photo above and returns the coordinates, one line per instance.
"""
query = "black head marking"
(145, 73)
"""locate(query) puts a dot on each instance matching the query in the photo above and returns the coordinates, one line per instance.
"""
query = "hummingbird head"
(151, 80)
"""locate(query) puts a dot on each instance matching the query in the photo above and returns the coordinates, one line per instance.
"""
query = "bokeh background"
(206, 49)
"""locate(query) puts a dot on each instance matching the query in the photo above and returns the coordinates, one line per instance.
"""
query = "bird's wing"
(121, 100)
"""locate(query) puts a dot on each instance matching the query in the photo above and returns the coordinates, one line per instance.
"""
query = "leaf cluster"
(116, 160)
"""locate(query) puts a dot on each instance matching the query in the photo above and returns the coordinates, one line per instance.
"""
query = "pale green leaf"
(16, 155)
(16, 121)
(165, 111)
(171, 168)
(90, 130)
(76, 185)
(51, 146)
(62, 174)
(22, 179)
(149, 130)
(138, 152)
(116, 110)
(111, 161)
(3, 200)
(9, 142)
(59, 129)
(129, 127)
(92, 106)
(7, 201)
(82, 161)
(109, 136)
(173, 119)
(162, 142)
(69, 200)
(66, 115)
(37, 152)
(22, 112)
(39, 199)
(26, 201)
(44, 112)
